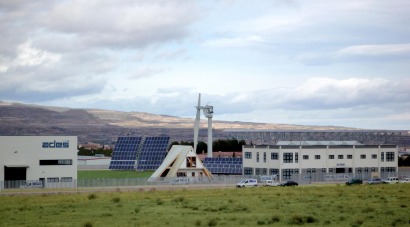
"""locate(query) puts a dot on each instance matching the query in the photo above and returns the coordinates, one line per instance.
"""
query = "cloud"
(129, 24)
(235, 42)
(387, 50)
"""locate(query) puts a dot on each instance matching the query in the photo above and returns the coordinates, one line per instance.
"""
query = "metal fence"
(216, 179)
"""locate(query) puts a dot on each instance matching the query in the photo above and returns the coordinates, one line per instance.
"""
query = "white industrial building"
(47, 159)
(288, 158)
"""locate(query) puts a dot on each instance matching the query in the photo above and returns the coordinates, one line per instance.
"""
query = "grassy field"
(335, 205)
(93, 174)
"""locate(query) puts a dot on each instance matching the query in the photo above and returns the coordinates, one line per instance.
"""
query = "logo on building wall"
(55, 144)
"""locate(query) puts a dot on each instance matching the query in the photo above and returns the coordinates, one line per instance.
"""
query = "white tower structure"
(208, 112)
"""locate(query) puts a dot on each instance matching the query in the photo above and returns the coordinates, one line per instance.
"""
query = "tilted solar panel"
(125, 153)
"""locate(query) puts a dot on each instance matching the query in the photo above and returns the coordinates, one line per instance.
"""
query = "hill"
(105, 126)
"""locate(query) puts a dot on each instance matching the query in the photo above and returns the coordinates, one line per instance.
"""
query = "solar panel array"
(152, 153)
(139, 153)
(223, 165)
(125, 153)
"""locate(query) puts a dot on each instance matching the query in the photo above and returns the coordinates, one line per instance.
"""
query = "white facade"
(50, 159)
(286, 160)
(181, 161)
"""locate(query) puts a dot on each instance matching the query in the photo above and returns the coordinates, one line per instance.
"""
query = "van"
(32, 184)
(392, 180)
(247, 183)
(180, 180)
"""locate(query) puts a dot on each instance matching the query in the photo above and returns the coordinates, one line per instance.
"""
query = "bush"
(92, 196)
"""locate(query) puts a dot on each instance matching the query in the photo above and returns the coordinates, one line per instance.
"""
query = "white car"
(392, 180)
(247, 183)
(405, 180)
(271, 183)
(179, 180)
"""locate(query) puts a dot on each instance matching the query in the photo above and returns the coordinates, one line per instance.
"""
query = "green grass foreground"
(336, 205)
(94, 174)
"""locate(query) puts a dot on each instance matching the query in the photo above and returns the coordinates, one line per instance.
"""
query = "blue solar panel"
(125, 153)
(223, 165)
(153, 152)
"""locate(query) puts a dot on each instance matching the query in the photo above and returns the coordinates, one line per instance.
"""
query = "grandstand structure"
(139, 153)
(231, 166)
(271, 137)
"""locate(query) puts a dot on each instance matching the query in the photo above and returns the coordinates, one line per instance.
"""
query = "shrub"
(92, 196)
(116, 199)
(88, 224)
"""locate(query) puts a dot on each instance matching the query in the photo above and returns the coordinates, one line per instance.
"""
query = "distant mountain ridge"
(105, 125)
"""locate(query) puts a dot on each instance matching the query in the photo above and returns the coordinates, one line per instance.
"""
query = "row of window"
(56, 162)
(288, 157)
(56, 179)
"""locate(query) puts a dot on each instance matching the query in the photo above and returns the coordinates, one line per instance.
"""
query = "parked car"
(392, 180)
(376, 181)
(405, 180)
(289, 183)
(271, 183)
(354, 181)
(180, 180)
(247, 183)
(32, 184)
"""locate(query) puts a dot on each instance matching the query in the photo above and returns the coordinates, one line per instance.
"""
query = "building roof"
(315, 143)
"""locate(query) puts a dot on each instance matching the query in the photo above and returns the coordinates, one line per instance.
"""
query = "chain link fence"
(317, 178)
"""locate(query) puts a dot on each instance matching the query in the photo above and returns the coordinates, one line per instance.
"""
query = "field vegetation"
(335, 205)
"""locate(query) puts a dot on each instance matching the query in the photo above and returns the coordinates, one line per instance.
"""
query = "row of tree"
(202, 147)
(404, 161)
(217, 145)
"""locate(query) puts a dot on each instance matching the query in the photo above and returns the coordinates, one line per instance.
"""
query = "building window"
(389, 156)
(296, 157)
(264, 156)
(359, 170)
(363, 156)
(340, 156)
(331, 156)
(53, 180)
(287, 173)
(257, 156)
(330, 170)
(373, 169)
(274, 156)
(366, 170)
(56, 162)
(248, 155)
(317, 156)
(374, 156)
(257, 171)
(349, 156)
(264, 171)
(287, 157)
(273, 171)
(305, 157)
(382, 157)
(248, 171)
(323, 170)
(390, 169)
(66, 179)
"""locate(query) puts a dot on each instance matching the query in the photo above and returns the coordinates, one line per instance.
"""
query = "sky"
(317, 62)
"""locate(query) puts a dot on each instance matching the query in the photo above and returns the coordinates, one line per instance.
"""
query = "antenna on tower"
(208, 112)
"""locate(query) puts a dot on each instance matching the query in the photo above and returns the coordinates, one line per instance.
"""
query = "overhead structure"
(181, 161)
(208, 112)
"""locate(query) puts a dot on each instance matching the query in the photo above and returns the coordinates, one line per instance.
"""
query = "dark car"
(354, 181)
(289, 183)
